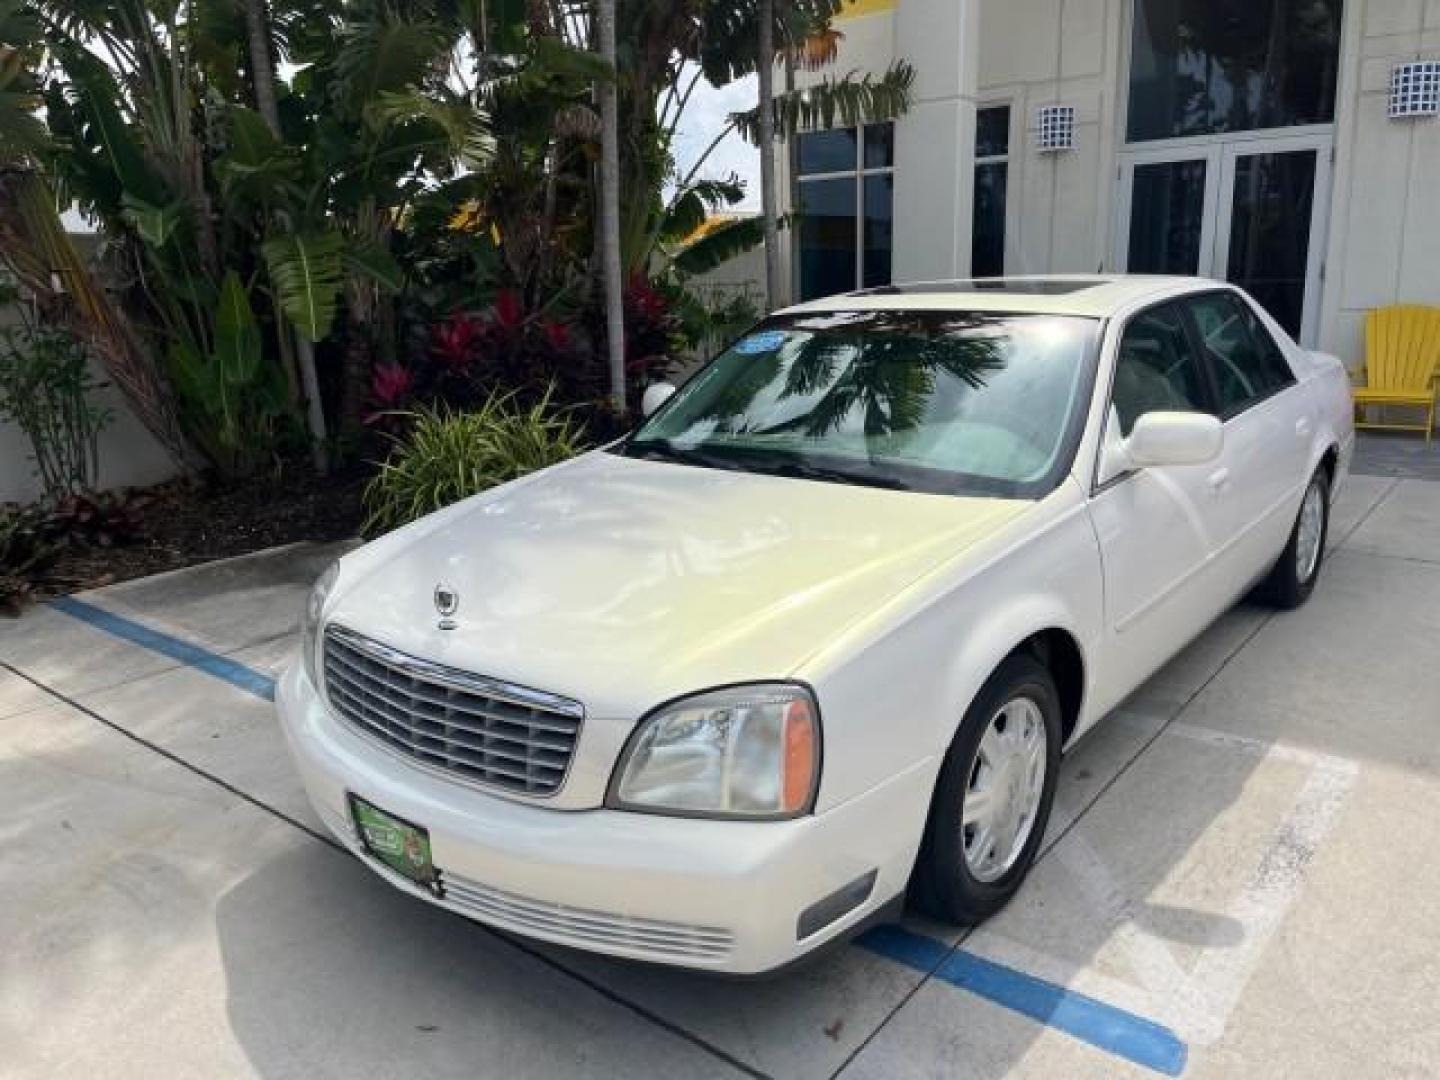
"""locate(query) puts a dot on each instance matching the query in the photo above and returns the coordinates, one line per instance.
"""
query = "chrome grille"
(475, 728)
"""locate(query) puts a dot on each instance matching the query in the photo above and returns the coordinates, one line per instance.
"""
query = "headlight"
(310, 619)
(744, 752)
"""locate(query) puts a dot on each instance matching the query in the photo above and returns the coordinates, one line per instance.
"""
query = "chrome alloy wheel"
(1309, 532)
(1002, 797)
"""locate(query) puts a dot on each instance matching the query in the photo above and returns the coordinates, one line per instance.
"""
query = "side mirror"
(656, 394)
(1174, 438)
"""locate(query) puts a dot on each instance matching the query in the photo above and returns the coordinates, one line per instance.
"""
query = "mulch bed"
(185, 522)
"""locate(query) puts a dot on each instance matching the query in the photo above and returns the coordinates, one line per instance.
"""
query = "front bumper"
(724, 896)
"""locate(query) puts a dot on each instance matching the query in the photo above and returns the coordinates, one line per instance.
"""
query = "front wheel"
(993, 799)
(1293, 577)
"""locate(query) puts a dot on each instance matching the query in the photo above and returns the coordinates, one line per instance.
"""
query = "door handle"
(1219, 481)
(1302, 427)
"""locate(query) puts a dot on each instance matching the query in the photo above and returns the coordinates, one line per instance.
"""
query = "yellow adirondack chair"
(1402, 355)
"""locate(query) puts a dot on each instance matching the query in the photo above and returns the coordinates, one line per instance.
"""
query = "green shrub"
(447, 456)
(45, 388)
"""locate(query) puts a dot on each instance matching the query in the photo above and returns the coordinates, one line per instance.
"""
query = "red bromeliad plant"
(471, 355)
(652, 333)
(529, 353)
(455, 343)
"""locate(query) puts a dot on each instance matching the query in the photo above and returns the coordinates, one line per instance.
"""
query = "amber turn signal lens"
(800, 755)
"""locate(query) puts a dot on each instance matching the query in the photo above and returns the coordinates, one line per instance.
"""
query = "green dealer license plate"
(403, 847)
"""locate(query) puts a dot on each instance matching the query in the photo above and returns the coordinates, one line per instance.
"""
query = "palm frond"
(386, 55)
(720, 245)
(690, 207)
(836, 102)
(466, 126)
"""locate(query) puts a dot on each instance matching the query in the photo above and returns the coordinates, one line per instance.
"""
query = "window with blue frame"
(844, 199)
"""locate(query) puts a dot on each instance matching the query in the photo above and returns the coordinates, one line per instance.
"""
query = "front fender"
(894, 689)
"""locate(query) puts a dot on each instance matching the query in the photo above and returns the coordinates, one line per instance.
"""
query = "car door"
(1156, 527)
(1267, 437)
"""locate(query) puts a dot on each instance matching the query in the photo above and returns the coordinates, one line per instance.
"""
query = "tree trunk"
(262, 66)
(610, 207)
(765, 68)
(262, 74)
(314, 409)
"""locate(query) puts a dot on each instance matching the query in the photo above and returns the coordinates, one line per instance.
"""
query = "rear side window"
(1248, 365)
(1156, 369)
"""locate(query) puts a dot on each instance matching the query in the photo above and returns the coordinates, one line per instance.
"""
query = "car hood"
(623, 583)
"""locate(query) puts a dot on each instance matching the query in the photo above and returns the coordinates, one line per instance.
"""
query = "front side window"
(950, 402)
(1248, 365)
(1201, 67)
(1156, 369)
(844, 193)
(992, 168)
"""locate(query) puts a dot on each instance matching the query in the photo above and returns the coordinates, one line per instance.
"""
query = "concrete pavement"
(1241, 858)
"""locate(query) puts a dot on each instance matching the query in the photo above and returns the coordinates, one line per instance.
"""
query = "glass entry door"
(1272, 222)
(1247, 211)
(1169, 202)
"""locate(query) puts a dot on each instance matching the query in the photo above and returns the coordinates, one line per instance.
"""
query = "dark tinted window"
(1203, 66)
(1167, 204)
(827, 151)
(1156, 369)
(992, 131)
(879, 146)
(1248, 365)
(828, 236)
(987, 240)
(1270, 231)
(879, 201)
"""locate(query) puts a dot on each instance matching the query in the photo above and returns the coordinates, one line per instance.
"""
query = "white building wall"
(1382, 244)
(935, 140)
(1039, 52)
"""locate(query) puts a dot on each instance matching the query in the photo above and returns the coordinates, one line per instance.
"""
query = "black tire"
(942, 885)
(1284, 587)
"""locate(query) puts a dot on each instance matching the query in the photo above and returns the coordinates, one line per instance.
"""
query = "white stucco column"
(935, 140)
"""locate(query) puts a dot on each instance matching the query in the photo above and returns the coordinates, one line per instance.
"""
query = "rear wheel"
(1292, 579)
(993, 798)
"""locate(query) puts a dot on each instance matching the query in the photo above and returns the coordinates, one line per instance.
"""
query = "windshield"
(953, 402)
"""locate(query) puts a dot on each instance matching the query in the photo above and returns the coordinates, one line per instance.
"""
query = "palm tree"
(797, 32)
(610, 205)
(262, 65)
(262, 78)
(765, 68)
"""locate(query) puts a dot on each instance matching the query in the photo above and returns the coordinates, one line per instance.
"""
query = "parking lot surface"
(1240, 878)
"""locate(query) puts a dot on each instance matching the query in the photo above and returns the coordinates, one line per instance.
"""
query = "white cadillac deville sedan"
(814, 637)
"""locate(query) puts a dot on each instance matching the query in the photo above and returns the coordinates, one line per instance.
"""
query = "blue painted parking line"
(1103, 1026)
(212, 663)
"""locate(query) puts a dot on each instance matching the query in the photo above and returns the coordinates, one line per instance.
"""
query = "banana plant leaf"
(371, 261)
(307, 272)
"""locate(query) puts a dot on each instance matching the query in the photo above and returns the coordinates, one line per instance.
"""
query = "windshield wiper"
(763, 464)
(656, 450)
(805, 471)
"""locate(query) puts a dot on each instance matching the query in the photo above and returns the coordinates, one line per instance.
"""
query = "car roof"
(1091, 295)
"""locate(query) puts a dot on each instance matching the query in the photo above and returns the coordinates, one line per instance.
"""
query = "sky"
(705, 115)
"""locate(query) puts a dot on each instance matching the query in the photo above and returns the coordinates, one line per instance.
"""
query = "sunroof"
(1010, 286)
